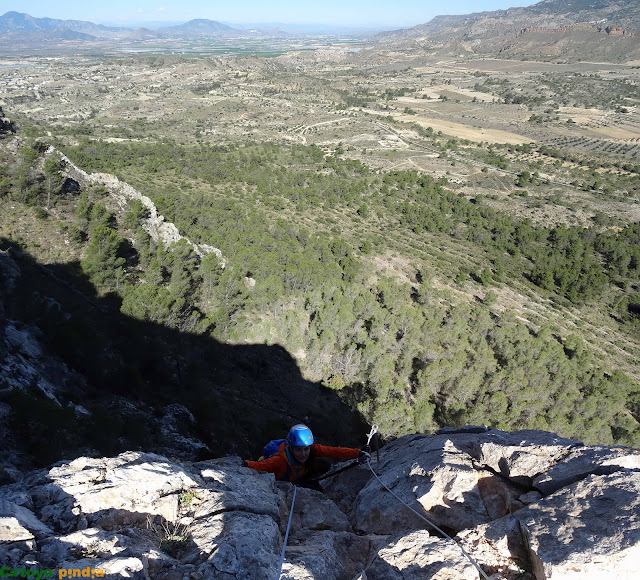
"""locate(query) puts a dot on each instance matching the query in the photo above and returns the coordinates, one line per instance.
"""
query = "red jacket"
(287, 469)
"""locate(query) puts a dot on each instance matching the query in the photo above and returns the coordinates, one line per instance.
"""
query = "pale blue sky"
(387, 13)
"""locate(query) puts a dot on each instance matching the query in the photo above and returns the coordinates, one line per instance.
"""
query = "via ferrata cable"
(430, 523)
(286, 536)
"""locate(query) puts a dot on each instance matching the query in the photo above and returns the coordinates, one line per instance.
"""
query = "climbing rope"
(335, 471)
(373, 431)
(286, 536)
(430, 523)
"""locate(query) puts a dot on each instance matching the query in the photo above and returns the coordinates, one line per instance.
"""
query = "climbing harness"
(429, 522)
(286, 536)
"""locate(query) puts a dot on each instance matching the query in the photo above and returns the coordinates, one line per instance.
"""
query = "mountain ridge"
(12, 22)
(579, 30)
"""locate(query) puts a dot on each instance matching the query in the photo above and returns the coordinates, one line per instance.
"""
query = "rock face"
(6, 126)
(526, 505)
(154, 224)
(566, 30)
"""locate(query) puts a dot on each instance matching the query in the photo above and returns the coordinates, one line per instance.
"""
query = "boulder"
(18, 523)
(177, 426)
(521, 455)
(312, 510)
(94, 543)
(112, 493)
(112, 567)
(231, 487)
(327, 555)
(429, 473)
(344, 488)
(243, 545)
(11, 530)
(498, 548)
(580, 462)
(590, 529)
(417, 555)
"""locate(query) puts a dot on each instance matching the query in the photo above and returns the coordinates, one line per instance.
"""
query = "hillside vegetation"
(310, 243)
(412, 240)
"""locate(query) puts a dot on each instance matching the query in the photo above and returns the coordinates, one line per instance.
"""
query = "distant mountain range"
(570, 30)
(199, 27)
(19, 22)
(14, 22)
(51, 28)
(562, 30)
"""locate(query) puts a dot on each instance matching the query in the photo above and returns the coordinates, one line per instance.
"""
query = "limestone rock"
(344, 488)
(418, 555)
(177, 426)
(590, 529)
(327, 555)
(521, 455)
(312, 510)
(498, 548)
(19, 523)
(583, 461)
(233, 487)
(110, 493)
(434, 472)
(141, 515)
(11, 530)
(243, 545)
(113, 567)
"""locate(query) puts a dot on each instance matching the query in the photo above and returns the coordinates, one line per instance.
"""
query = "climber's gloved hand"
(244, 463)
(363, 456)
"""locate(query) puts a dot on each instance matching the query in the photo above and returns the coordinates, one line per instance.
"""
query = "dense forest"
(300, 230)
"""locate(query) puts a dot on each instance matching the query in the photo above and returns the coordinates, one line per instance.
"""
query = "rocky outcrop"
(527, 505)
(34, 380)
(6, 126)
(24, 363)
(618, 30)
(584, 27)
(154, 224)
(552, 29)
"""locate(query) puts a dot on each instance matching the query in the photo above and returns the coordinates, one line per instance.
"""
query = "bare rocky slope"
(526, 505)
(568, 31)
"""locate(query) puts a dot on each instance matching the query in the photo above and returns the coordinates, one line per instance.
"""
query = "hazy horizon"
(332, 13)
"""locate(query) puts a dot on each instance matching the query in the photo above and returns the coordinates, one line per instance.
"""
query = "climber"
(298, 459)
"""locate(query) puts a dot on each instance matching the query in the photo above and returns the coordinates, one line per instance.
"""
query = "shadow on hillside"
(135, 379)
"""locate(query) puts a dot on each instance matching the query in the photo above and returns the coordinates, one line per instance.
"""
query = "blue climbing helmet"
(300, 436)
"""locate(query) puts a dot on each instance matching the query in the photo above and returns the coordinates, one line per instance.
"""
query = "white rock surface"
(155, 225)
(140, 515)
(590, 529)
(433, 471)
